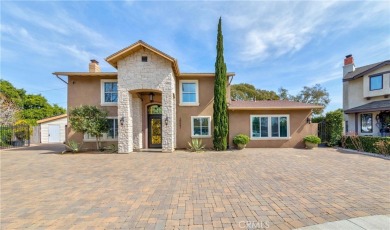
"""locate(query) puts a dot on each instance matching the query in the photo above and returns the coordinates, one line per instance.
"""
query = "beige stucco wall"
(357, 92)
(84, 90)
(386, 83)
(239, 123)
(184, 113)
(352, 125)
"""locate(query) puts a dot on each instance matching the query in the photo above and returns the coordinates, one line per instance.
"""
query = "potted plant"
(241, 140)
(311, 141)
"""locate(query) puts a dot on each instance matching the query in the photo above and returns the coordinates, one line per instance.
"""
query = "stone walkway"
(253, 188)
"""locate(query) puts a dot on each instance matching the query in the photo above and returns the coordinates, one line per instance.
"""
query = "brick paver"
(252, 188)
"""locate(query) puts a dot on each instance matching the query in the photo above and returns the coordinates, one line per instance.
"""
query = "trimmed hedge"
(334, 127)
(368, 143)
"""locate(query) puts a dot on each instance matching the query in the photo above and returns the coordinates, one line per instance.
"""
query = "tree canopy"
(246, 92)
(314, 95)
(89, 119)
(28, 107)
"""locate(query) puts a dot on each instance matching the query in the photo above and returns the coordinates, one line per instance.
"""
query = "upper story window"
(109, 92)
(270, 126)
(189, 92)
(376, 82)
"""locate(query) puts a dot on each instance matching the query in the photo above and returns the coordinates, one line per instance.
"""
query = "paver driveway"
(279, 188)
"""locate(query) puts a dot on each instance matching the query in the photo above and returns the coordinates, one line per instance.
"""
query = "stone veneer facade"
(134, 76)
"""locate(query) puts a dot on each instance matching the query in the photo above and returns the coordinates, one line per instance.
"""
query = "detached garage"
(52, 129)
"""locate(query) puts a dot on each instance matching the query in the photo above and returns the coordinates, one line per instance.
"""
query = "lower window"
(366, 123)
(200, 126)
(269, 126)
(111, 134)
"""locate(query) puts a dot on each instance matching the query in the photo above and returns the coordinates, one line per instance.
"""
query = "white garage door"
(54, 133)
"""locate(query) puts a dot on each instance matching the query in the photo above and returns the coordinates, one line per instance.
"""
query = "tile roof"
(371, 107)
(361, 71)
(270, 105)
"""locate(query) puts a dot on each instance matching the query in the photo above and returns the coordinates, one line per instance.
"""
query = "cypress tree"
(220, 104)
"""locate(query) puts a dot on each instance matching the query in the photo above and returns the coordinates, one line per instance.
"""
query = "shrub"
(241, 139)
(312, 139)
(111, 148)
(196, 145)
(334, 127)
(382, 146)
(73, 147)
(368, 144)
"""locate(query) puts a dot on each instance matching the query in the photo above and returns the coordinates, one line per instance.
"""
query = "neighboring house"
(53, 129)
(151, 104)
(366, 100)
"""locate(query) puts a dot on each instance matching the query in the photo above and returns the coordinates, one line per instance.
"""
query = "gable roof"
(52, 118)
(115, 57)
(361, 71)
(271, 105)
(370, 107)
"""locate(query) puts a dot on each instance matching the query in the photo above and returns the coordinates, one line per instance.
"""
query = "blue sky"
(267, 44)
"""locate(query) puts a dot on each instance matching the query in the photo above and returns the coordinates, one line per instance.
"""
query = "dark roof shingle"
(361, 71)
(370, 107)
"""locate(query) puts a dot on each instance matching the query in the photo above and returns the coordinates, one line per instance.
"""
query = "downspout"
(61, 79)
(356, 124)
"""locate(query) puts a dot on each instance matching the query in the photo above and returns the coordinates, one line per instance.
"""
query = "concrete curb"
(386, 157)
(377, 222)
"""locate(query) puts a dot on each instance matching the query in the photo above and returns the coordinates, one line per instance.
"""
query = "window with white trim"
(200, 126)
(189, 92)
(270, 126)
(109, 91)
(112, 133)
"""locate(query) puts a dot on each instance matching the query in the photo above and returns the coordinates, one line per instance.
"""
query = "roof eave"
(113, 74)
(114, 58)
(274, 108)
(52, 118)
(379, 65)
(204, 74)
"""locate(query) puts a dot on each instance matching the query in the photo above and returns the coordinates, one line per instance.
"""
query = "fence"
(12, 136)
(322, 132)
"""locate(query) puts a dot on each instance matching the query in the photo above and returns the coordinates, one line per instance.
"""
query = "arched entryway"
(154, 126)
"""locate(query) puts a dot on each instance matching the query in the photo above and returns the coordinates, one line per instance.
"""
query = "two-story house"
(366, 98)
(151, 104)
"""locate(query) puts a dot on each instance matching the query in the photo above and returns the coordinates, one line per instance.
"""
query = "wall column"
(125, 131)
(137, 123)
(169, 115)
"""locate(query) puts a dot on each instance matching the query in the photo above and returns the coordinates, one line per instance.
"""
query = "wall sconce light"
(151, 97)
(122, 120)
(308, 120)
(166, 121)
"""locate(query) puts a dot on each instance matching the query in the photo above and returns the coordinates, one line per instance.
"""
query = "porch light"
(151, 97)
(308, 120)
(166, 121)
(122, 120)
